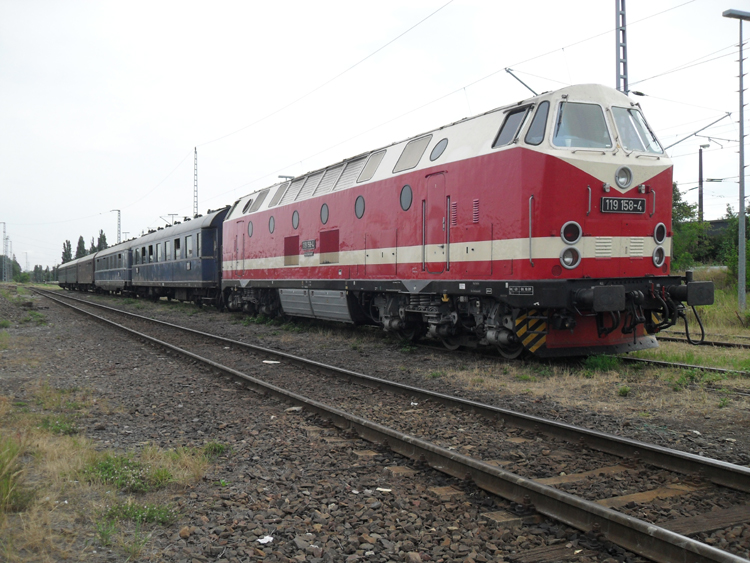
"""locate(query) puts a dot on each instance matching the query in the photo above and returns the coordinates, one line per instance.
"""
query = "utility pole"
(27, 261)
(742, 258)
(622, 47)
(5, 255)
(700, 182)
(118, 224)
(195, 183)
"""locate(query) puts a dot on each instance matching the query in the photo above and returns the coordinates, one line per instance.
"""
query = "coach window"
(271, 224)
(168, 250)
(150, 253)
(359, 207)
(324, 213)
(295, 219)
(189, 246)
(177, 250)
(511, 126)
(581, 125)
(536, 131)
(198, 237)
(137, 256)
(159, 255)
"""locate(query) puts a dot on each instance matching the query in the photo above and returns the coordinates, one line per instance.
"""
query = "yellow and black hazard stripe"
(531, 328)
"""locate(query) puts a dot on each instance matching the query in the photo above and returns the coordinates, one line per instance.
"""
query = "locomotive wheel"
(411, 334)
(510, 352)
(451, 342)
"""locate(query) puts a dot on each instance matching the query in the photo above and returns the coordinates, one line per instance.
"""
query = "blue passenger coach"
(181, 261)
(112, 270)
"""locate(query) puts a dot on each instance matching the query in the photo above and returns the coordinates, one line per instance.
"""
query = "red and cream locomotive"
(542, 226)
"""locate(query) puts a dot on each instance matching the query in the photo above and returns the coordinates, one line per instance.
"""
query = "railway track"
(503, 469)
(715, 343)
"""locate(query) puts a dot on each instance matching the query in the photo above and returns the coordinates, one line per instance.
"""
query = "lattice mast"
(195, 183)
(622, 48)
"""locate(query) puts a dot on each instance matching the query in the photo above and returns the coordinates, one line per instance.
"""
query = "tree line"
(694, 243)
(39, 274)
(81, 251)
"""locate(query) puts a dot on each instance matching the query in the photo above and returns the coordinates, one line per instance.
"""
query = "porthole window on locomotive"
(324, 213)
(406, 197)
(359, 207)
(249, 228)
(295, 219)
(271, 224)
(660, 233)
(571, 232)
(437, 152)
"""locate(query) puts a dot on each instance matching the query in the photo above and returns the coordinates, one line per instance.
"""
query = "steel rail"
(715, 343)
(716, 471)
(680, 365)
(640, 537)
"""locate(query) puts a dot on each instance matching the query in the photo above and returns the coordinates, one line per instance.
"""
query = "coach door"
(435, 225)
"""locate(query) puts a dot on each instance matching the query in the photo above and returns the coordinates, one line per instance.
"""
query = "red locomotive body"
(543, 226)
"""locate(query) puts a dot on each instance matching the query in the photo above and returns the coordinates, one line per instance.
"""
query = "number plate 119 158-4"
(623, 205)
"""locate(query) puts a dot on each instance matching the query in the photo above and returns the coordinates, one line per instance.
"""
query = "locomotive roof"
(465, 139)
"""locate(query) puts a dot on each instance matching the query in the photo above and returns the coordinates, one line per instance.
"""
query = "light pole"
(742, 16)
(700, 182)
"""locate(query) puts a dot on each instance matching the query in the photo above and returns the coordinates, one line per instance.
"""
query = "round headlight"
(623, 177)
(571, 232)
(660, 233)
(570, 258)
(659, 256)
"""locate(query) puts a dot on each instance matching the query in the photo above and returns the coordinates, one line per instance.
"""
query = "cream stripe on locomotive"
(512, 249)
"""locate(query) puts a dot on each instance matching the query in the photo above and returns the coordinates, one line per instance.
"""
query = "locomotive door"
(435, 225)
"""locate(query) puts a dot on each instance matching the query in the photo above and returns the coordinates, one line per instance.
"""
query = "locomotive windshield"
(634, 132)
(581, 125)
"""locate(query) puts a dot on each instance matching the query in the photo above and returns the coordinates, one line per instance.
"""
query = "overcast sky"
(102, 103)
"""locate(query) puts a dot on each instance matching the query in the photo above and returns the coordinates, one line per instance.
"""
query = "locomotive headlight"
(660, 233)
(570, 258)
(623, 177)
(571, 232)
(659, 256)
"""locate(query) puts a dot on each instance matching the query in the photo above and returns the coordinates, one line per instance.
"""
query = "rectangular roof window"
(413, 151)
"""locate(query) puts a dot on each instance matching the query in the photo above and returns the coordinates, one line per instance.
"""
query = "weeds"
(214, 449)
(11, 450)
(601, 363)
(436, 375)
(133, 549)
(63, 424)
(140, 513)
(4, 323)
(407, 348)
(4, 340)
(105, 529)
(524, 377)
(623, 391)
(127, 474)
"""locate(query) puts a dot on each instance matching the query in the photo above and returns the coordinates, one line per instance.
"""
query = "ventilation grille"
(353, 168)
(291, 193)
(329, 180)
(454, 214)
(309, 187)
(475, 211)
(636, 247)
(603, 247)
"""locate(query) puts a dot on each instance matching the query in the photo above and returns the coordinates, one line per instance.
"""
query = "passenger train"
(541, 227)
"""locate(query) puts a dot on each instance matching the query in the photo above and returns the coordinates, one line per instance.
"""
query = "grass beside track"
(59, 495)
